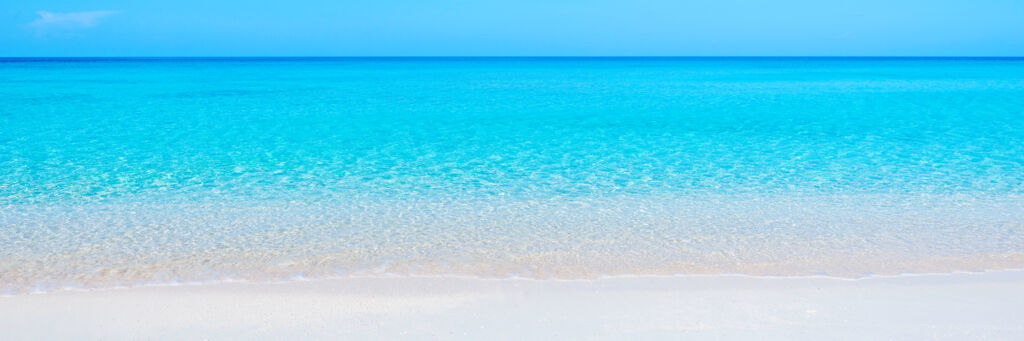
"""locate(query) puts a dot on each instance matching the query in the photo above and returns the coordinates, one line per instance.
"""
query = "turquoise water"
(128, 171)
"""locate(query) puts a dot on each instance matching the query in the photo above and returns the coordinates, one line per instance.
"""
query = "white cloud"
(71, 19)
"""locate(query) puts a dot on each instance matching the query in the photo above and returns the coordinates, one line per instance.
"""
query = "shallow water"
(117, 172)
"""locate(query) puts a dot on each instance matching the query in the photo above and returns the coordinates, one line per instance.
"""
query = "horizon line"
(469, 57)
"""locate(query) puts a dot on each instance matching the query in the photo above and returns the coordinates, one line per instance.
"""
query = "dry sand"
(947, 306)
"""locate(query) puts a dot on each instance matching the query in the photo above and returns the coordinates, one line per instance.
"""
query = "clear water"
(128, 171)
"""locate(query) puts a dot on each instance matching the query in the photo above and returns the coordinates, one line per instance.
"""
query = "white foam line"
(302, 279)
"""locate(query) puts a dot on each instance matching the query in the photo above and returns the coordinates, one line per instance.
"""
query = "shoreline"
(389, 276)
(396, 276)
(914, 306)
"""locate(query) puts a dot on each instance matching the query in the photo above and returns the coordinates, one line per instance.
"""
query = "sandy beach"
(941, 306)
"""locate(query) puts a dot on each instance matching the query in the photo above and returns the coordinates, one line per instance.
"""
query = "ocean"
(131, 171)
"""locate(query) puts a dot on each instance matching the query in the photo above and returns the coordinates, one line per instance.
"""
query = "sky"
(511, 28)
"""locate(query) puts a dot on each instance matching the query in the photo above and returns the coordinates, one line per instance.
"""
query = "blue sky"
(511, 28)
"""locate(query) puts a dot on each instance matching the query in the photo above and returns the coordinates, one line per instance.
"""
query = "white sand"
(958, 306)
